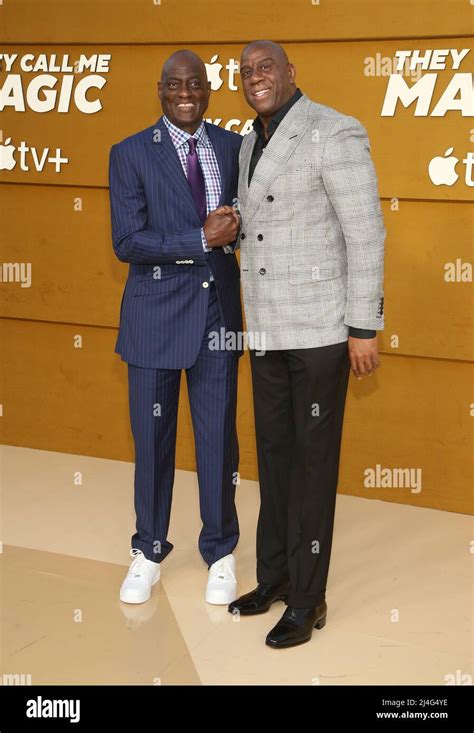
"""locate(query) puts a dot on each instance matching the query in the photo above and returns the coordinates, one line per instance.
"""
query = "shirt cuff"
(204, 241)
(362, 333)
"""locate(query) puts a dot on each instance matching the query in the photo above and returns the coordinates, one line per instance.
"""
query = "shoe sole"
(287, 645)
(217, 599)
(144, 600)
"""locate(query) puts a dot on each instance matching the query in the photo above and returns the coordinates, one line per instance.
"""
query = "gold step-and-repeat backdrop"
(77, 76)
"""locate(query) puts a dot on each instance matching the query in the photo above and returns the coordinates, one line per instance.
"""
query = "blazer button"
(259, 237)
(205, 284)
(270, 198)
(262, 271)
(242, 235)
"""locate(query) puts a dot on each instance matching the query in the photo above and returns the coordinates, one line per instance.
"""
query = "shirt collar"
(278, 116)
(179, 136)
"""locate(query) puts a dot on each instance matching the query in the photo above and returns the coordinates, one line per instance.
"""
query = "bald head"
(184, 90)
(275, 50)
(268, 78)
(183, 59)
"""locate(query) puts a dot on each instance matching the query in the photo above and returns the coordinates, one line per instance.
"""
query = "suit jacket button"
(270, 198)
(262, 271)
(205, 284)
(259, 237)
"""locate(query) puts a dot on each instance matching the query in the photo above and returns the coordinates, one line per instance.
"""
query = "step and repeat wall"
(77, 76)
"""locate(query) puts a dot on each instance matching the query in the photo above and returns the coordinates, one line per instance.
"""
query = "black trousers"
(299, 397)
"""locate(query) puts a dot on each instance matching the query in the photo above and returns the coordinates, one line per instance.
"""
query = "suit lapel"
(245, 154)
(170, 167)
(222, 155)
(284, 140)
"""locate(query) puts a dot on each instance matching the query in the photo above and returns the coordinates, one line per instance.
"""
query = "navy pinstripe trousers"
(153, 398)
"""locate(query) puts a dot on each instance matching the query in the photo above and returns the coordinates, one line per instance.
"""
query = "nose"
(255, 77)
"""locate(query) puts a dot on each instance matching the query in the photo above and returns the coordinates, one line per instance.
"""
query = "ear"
(160, 89)
(291, 73)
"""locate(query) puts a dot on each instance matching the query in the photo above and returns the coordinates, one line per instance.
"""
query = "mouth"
(186, 105)
(261, 93)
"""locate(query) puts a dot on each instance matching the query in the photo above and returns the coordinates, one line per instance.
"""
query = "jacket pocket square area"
(298, 274)
(152, 286)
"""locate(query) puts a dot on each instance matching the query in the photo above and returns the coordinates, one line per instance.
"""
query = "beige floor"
(399, 598)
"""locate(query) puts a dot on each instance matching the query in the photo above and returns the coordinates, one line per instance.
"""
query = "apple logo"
(213, 71)
(442, 170)
(7, 161)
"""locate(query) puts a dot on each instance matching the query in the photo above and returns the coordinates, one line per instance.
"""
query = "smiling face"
(268, 79)
(184, 90)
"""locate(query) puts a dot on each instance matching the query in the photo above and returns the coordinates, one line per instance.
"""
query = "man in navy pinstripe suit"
(171, 187)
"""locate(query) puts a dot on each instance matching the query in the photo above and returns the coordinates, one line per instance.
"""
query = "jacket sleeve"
(351, 184)
(133, 241)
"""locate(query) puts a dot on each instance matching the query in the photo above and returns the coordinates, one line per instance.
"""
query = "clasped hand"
(221, 226)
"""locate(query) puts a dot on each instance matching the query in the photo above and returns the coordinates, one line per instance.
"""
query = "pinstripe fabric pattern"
(153, 395)
(312, 236)
(156, 229)
(168, 308)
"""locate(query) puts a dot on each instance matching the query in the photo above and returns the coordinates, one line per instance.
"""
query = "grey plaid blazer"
(312, 236)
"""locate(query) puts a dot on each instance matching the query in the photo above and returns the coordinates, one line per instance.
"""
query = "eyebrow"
(177, 78)
(267, 58)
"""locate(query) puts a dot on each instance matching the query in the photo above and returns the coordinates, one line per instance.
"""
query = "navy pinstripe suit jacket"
(155, 226)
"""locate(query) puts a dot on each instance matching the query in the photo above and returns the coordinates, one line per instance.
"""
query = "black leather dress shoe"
(260, 599)
(296, 626)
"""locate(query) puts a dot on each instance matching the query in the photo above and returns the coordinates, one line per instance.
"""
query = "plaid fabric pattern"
(207, 159)
(312, 258)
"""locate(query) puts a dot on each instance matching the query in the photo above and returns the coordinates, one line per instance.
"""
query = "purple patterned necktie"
(196, 180)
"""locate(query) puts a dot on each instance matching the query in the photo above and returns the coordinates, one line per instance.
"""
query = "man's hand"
(363, 355)
(221, 226)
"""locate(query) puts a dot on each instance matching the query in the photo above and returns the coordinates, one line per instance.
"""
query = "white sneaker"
(222, 583)
(142, 574)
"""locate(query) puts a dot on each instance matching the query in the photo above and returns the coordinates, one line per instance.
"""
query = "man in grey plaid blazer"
(312, 247)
